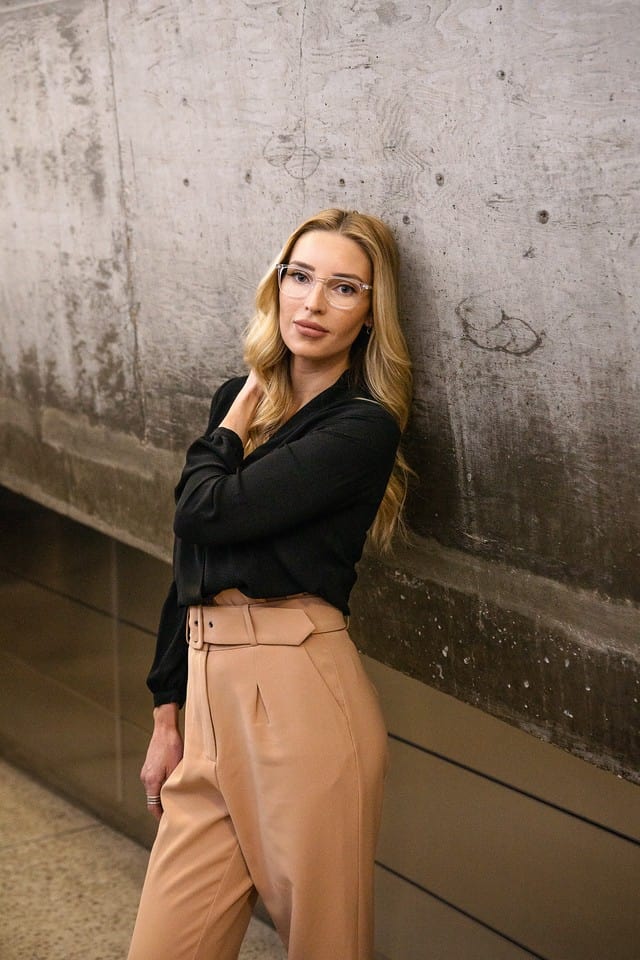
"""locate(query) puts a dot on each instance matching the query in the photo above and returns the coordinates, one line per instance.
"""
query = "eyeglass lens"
(339, 291)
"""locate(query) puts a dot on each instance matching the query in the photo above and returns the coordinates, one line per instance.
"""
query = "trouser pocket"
(200, 718)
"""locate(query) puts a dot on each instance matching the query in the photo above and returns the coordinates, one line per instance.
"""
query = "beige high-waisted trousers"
(279, 791)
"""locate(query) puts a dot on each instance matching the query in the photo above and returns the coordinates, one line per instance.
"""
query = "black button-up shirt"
(291, 517)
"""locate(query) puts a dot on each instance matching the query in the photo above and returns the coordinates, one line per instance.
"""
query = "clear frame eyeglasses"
(341, 292)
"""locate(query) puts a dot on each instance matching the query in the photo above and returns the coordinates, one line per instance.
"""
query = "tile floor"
(69, 885)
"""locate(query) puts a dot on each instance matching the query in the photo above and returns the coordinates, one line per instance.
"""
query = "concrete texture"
(72, 890)
(558, 663)
(152, 159)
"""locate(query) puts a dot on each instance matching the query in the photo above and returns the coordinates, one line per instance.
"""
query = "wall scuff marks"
(506, 335)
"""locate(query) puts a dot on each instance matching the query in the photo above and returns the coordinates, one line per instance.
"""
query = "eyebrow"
(307, 266)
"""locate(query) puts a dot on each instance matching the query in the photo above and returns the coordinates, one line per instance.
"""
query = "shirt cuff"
(222, 435)
(168, 696)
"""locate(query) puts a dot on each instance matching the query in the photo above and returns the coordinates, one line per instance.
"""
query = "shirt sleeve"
(221, 500)
(167, 677)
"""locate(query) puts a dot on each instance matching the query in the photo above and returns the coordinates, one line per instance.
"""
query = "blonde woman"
(279, 789)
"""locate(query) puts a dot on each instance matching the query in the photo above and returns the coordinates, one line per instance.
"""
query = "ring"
(152, 801)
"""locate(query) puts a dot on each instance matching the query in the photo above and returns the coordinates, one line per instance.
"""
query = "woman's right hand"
(241, 412)
(253, 387)
(163, 754)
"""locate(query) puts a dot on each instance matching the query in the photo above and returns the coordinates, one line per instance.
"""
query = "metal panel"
(468, 736)
(412, 925)
(559, 886)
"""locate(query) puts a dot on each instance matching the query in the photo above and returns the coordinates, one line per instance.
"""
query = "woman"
(280, 787)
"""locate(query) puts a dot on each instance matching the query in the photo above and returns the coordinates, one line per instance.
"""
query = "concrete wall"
(152, 159)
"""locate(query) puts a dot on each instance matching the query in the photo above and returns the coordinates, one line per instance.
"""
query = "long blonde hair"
(379, 361)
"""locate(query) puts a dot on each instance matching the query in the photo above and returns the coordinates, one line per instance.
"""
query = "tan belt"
(285, 622)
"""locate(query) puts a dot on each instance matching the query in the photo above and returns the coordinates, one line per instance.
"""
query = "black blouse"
(290, 518)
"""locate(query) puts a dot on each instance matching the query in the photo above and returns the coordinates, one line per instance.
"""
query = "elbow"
(192, 527)
(196, 516)
(184, 526)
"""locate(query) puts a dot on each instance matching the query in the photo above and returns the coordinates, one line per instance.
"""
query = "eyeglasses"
(341, 292)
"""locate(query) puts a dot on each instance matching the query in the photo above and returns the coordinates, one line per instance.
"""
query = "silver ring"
(153, 800)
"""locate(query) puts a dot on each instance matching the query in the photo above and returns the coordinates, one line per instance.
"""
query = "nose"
(315, 300)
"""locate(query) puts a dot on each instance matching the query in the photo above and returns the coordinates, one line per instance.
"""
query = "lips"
(309, 328)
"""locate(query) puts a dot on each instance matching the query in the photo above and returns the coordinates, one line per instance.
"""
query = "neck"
(308, 380)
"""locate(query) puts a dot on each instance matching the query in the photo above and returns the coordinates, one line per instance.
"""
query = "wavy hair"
(379, 361)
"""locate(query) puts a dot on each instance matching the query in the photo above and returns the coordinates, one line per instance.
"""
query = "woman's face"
(315, 331)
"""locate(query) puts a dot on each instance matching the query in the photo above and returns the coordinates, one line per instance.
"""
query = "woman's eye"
(298, 276)
(345, 289)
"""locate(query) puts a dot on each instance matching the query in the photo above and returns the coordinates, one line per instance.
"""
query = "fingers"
(154, 806)
(153, 799)
(163, 755)
(152, 783)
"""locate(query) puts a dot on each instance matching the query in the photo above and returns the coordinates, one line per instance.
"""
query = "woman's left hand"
(163, 755)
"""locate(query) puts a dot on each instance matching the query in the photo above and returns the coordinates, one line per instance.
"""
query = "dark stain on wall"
(535, 675)
(533, 501)
(111, 379)
(433, 504)
(29, 377)
(94, 165)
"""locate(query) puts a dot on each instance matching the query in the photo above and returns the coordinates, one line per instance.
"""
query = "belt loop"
(196, 619)
(201, 625)
(248, 623)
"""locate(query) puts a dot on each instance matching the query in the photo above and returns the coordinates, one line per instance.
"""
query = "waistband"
(236, 620)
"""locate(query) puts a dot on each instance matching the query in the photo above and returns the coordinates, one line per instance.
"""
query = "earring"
(367, 329)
